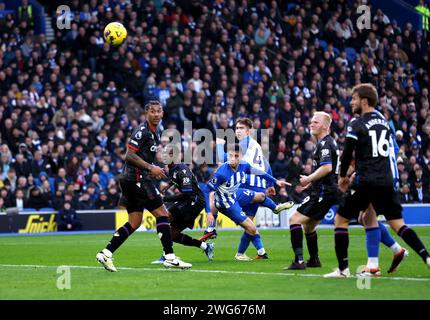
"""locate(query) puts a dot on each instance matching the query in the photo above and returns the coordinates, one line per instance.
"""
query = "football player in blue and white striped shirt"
(229, 197)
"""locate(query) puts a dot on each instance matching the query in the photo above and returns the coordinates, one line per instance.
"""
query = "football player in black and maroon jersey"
(139, 191)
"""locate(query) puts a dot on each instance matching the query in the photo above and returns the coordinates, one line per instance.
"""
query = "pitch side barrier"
(100, 220)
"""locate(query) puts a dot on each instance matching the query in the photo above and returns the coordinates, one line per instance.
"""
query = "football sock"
(386, 237)
(312, 242)
(297, 241)
(163, 231)
(373, 237)
(411, 238)
(269, 203)
(341, 240)
(119, 237)
(186, 240)
(244, 243)
(258, 244)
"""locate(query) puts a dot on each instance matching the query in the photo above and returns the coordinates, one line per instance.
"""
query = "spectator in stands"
(37, 199)
(68, 219)
(17, 200)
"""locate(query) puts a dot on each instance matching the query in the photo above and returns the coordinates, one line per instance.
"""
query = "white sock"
(395, 248)
(210, 229)
(170, 256)
(107, 253)
(203, 246)
(372, 263)
(261, 251)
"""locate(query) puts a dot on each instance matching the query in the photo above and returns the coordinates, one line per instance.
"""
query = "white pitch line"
(284, 274)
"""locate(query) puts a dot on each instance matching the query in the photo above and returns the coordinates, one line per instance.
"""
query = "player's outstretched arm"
(266, 176)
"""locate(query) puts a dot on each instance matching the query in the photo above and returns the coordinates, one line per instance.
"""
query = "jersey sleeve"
(352, 130)
(137, 139)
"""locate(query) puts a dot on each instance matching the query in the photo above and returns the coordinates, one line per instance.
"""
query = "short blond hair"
(326, 116)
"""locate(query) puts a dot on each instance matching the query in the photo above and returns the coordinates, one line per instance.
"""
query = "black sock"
(297, 241)
(312, 242)
(186, 240)
(341, 240)
(163, 230)
(412, 239)
(119, 237)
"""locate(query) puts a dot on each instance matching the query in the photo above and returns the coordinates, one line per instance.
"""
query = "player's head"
(154, 112)
(363, 96)
(233, 154)
(243, 128)
(320, 123)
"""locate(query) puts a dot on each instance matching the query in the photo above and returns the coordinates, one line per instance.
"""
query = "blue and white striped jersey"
(226, 181)
(252, 154)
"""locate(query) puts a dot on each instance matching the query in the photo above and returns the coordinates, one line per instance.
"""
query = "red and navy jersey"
(146, 143)
(326, 152)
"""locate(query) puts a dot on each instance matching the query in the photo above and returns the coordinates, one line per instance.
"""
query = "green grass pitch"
(28, 270)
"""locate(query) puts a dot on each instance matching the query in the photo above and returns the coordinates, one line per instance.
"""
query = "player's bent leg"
(186, 240)
(411, 238)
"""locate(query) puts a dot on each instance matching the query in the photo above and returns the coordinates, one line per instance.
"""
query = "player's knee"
(340, 222)
(259, 197)
(295, 219)
(252, 230)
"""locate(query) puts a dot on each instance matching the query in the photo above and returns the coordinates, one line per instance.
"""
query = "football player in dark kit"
(368, 135)
(324, 193)
(139, 191)
(185, 206)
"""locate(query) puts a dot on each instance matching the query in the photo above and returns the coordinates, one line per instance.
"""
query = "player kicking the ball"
(230, 200)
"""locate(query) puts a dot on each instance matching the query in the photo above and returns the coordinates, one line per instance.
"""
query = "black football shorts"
(316, 206)
(384, 199)
(184, 214)
(137, 196)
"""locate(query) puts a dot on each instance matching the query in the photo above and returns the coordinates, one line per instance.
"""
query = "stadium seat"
(323, 44)
(290, 6)
(351, 54)
(336, 51)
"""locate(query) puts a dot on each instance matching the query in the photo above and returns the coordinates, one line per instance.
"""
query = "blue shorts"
(245, 197)
(234, 212)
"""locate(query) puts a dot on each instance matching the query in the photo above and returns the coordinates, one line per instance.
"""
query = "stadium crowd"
(67, 106)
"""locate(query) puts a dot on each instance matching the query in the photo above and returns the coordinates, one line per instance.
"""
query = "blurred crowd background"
(68, 105)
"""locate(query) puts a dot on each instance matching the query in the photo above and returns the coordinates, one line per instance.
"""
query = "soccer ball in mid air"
(115, 33)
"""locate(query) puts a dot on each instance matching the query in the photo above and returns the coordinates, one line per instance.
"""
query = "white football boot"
(104, 257)
(338, 274)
